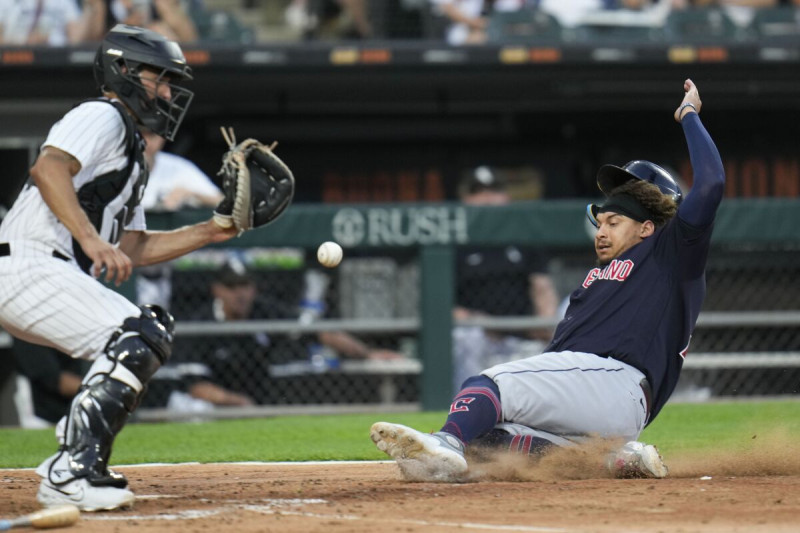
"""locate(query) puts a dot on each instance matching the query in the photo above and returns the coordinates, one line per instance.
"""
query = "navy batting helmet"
(125, 50)
(610, 176)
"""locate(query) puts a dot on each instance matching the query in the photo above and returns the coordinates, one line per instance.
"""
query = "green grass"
(680, 428)
(699, 428)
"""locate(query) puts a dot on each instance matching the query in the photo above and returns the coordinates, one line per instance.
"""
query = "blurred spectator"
(214, 366)
(741, 12)
(467, 19)
(52, 379)
(706, 3)
(224, 369)
(312, 307)
(496, 281)
(622, 21)
(633, 5)
(175, 182)
(170, 18)
(325, 19)
(570, 13)
(51, 22)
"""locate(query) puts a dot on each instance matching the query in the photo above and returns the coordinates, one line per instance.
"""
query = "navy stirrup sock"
(475, 409)
(499, 439)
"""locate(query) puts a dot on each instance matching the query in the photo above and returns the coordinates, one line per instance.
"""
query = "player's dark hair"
(659, 205)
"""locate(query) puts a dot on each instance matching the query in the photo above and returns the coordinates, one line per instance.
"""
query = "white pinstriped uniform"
(47, 300)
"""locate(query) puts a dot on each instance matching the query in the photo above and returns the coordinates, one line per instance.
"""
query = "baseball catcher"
(258, 186)
(80, 215)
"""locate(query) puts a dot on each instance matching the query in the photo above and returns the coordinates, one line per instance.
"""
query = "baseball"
(329, 254)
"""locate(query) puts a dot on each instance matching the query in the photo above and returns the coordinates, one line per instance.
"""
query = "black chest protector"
(96, 195)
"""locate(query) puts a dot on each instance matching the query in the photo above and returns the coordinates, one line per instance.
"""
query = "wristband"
(684, 106)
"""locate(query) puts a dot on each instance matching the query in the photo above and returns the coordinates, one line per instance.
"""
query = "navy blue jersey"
(642, 307)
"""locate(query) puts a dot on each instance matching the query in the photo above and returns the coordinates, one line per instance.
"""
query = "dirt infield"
(371, 497)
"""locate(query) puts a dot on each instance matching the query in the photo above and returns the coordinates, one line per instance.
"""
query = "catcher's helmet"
(125, 50)
(611, 176)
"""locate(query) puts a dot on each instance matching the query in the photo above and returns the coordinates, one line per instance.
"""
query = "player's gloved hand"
(257, 185)
(691, 101)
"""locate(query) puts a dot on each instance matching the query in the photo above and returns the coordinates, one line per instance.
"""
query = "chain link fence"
(747, 342)
(762, 340)
(282, 330)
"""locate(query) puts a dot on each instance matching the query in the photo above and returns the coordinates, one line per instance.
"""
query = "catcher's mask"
(610, 177)
(118, 63)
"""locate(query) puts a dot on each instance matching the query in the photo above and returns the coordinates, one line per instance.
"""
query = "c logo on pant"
(461, 404)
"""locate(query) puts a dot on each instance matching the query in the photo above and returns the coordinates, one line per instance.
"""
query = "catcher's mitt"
(258, 186)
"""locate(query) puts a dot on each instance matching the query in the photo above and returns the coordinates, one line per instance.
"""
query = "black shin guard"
(97, 414)
(112, 392)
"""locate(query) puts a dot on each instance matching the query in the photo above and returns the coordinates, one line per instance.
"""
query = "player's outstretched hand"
(117, 265)
(219, 234)
(691, 101)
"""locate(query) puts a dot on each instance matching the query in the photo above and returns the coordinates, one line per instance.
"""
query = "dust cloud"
(757, 455)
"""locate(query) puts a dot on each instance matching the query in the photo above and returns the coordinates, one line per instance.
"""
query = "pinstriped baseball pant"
(49, 301)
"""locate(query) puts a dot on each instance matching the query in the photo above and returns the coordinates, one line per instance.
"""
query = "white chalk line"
(291, 507)
(191, 514)
(188, 514)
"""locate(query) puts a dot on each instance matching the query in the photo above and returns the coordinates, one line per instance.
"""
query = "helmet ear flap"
(591, 214)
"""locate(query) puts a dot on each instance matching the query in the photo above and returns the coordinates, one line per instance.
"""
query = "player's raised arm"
(700, 205)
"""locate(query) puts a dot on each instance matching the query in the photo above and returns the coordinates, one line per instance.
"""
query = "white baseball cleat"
(421, 456)
(59, 487)
(637, 460)
(82, 494)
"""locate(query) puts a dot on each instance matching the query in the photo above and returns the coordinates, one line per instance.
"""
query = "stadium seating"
(611, 34)
(780, 25)
(523, 26)
(216, 25)
(703, 25)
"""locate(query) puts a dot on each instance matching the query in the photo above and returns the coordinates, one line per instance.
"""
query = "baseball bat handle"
(60, 516)
(22, 521)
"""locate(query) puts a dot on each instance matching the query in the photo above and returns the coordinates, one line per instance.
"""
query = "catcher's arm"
(257, 185)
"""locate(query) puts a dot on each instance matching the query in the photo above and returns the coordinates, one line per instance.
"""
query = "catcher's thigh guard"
(110, 393)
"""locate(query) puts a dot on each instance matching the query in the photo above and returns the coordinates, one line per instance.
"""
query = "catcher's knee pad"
(143, 343)
(112, 390)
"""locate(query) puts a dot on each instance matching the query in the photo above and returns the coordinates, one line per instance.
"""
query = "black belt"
(5, 249)
(648, 395)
